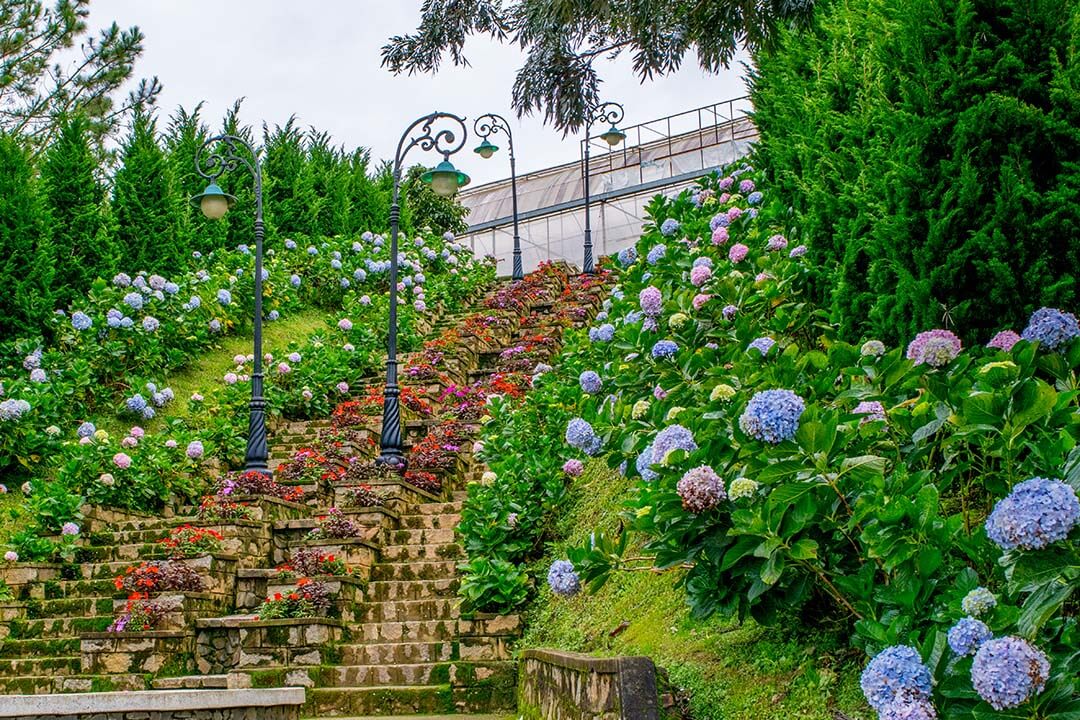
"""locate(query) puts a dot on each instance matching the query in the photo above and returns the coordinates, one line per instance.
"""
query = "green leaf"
(864, 470)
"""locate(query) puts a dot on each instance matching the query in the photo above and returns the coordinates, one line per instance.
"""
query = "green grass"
(204, 371)
(730, 670)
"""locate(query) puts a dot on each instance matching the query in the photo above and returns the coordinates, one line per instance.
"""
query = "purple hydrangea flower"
(651, 301)
(81, 321)
(69, 528)
(194, 450)
(700, 275)
(86, 429)
(214, 325)
(590, 382)
(746, 186)
(134, 300)
(872, 409)
(726, 183)
(729, 311)
(644, 465)
(573, 468)
(136, 403)
(294, 280)
(668, 228)
(1052, 328)
(224, 297)
(772, 416)
(345, 325)
(1004, 340)
(580, 435)
(967, 635)
(670, 439)
(1037, 512)
(121, 280)
(701, 489)
(936, 348)
(38, 375)
(776, 243)
(763, 345)
(656, 254)
(150, 323)
(1008, 671)
(738, 252)
(720, 236)
(798, 251)
(563, 580)
(664, 349)
(604, 333)
(896, 673)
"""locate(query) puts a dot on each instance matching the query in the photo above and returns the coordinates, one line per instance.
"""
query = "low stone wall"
(267, 704)
(554, 685)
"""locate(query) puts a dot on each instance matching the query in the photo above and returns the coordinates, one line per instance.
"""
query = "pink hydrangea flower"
(136, 432)
(170, 443)
(121, 460)
(738, 252)
(283, 369)
(935, 348)
(734, 213)
(342, 387)
(700, 275)
(344, 324)
(1004, 340)
(720, 236)
(699, 300)
(129, 442)
(776, 243)
(659, 393)
(230, 378)
(11, 556)
(573, 468)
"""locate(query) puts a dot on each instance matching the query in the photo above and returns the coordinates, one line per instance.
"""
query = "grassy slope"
(731, 670)
(198, 376)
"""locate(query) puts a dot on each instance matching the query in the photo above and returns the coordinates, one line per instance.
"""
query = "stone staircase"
(396, 641)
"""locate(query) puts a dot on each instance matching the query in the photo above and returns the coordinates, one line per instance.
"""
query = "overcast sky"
(320, 60)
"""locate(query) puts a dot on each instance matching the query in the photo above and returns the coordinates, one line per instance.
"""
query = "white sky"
(320, 59)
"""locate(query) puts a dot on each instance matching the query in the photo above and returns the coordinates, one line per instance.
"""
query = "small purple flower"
(776, 243)
(345, 325)
(150, 324)
(754, 198)
(122, 461)
(720, 235)
(729, 311)
(656, 254)
(871, 409)
(651, 301)
(670, 439)
(798, 251)
(38, 375)
(342, 387)
(700, 275)
(746, 186)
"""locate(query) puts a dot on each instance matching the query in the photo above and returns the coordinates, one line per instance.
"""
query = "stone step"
(439, 536)
(23, 666)
(62, 647)
(435, 522)
(436, 508)
(392, 611)
(403, 674)
(84, 607)
(386, 700)
(58, 627)
(414, 571)
(440, 551)
(410, 630)
(46, 684)
(395, 653)
(192, 682)
(381, 590)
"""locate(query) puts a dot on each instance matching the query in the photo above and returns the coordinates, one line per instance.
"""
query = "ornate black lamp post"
(485, 126)
(445, 179)
(610, 112)
(229, 153)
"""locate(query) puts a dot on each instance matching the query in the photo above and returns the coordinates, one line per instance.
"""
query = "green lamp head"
(485, 149)
(613, 136)
(445, 179)
(213, 201)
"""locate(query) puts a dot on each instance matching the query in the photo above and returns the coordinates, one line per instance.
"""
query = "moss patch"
(730, 670)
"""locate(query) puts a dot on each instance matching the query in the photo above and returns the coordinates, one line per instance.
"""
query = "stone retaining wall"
(555, 685)
(269, 704)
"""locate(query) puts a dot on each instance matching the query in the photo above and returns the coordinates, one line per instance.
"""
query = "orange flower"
(294, 596)
(303, 581)
(277, 596)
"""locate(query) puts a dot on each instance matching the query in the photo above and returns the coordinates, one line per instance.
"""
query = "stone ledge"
(248, 622)
(147, 701)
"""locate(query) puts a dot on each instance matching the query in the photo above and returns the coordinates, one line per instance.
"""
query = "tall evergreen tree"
(26, 256)
(184, 135)
(75, 200)
(283, 165)
(144, 202)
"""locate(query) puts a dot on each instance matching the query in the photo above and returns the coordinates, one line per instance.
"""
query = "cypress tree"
(283, 164)
(75, 199)
(26, 255)
(144, 203)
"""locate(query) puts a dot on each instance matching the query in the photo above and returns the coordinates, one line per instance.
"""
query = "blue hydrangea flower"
(1008, 671)
(590, 382)
(86, 429)
(193, 303)
(134, 300)
(914, 708)
(273, 315)
(312, 250)
(81, 321)
(754, 198)
(336, 264)
(664, 349)
(294, 280)
(967, 635)
(172, 288)
(627, 256)
(772, 416)
(563, 580)
(896, 673)
(634, 316)
(1052, 328)
(669, 227)
(763, 345)
(656, 254)
(224, 297)
(214, 325)
(580, 435)
(359, 275)
(604, 333)
(703, 261)
(1037, 512)
(670, 439)
(113, 318)
(136, 403)
(344, 282)
(121, 280)
(978, 601)
(126, 322)
(150, 323)
(644, 463)
(719, 221)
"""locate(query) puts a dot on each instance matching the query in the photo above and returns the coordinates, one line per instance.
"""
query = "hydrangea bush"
(922, 497)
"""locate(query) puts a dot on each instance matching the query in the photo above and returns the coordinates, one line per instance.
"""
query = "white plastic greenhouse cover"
(659, 157)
